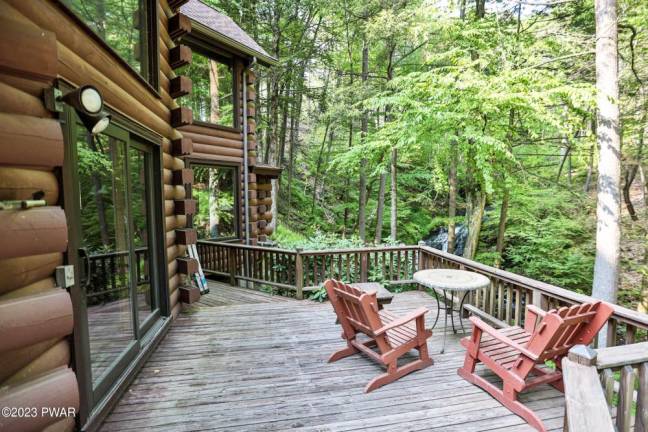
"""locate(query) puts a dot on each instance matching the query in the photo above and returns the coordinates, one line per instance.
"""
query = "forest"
(469, 125)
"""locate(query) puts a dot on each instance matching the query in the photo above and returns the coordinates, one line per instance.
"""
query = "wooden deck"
(260, 365)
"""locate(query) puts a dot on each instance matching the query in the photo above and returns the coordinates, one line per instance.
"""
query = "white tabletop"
(454, 280)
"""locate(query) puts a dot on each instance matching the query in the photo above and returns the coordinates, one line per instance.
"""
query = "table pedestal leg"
(445, 324)
(461, 305)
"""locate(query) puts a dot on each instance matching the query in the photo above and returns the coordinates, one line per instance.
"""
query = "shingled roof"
(225, 29)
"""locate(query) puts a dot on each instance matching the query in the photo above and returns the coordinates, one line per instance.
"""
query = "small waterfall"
(438, 238)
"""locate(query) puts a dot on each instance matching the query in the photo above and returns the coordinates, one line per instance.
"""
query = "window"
(212, 93)
(127, 26)
(215, 191)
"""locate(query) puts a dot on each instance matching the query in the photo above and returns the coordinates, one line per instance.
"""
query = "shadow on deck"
(248, 361)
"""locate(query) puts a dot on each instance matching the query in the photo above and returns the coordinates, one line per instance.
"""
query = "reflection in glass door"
(105, 248)
(139, 162)
(114, 175)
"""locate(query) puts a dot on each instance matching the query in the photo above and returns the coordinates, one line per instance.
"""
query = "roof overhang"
(267, 170)
(230, 43)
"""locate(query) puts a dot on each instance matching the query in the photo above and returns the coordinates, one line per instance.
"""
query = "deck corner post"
(583, 355)
(299, 274)
(364, 266)
(231, 258)
(422, 261)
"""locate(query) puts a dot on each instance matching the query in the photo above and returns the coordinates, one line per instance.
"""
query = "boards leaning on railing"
(302, 271)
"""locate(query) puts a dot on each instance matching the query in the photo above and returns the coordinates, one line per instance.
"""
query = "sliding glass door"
(113, 245)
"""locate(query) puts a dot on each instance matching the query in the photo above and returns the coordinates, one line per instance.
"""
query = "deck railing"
(302, 271)
(108, 273)
(604, 384)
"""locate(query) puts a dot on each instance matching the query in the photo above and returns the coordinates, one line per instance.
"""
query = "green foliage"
(548, 238)
(319, 295)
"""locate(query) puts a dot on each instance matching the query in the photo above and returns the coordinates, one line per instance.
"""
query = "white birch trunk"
(608, 230)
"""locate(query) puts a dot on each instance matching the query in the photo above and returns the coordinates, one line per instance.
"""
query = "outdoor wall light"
(88, 104)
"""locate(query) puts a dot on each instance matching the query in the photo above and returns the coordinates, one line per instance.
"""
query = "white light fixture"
(91, 99)
(101, 125)
(88, 103)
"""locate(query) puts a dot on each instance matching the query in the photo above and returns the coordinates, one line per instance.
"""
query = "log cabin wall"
(40, 42)
(219, 145)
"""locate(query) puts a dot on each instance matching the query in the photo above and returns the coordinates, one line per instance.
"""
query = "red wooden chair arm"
(402, 320)
(481, 325)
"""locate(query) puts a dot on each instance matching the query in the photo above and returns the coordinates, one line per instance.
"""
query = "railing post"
(586, 409)
(540, 300)
(299, 274)
(364, 266)
(231, 258)
(422, 264)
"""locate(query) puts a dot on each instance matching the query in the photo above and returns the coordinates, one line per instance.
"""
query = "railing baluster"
(518, 304)
(641, 415)
(491, 305)
(626, 391)
(500, 301)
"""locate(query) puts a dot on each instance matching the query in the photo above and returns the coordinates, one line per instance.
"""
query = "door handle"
(84, 259)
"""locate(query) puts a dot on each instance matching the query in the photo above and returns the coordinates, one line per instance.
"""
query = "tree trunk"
(362, 205)
(501, 230)
(452, 197)
(608, 233)
(644, 188)
(394, 197)
(319, 164)
(630, 174)
(643, 301)
(98, 199)
(294, 136)
(590, 169)
(380, 208)
(347, 185)
(214, 117)
(475, 221)
(274, 195)
(480, 8)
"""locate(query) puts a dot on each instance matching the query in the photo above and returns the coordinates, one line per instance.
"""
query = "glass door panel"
(139, 161)
(105, 249)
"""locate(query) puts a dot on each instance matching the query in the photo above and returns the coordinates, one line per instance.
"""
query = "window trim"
(204, 49)
(192, 163)
(151, 30)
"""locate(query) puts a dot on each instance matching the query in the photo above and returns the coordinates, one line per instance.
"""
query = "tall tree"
(364, 127)
(608, 209)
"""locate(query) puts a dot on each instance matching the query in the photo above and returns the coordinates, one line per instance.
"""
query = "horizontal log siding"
(27, 165)
(36, 317)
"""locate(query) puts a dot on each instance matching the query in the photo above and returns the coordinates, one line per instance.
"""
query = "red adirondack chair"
(392, 336)
(515, 354)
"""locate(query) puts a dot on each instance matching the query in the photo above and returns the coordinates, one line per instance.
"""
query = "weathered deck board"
(262, 367)
(223, 295)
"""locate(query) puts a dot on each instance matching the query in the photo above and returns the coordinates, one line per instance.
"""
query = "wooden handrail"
(592, 391)
(586, 409)
(618, 356)
(357, 250)
(247, 247)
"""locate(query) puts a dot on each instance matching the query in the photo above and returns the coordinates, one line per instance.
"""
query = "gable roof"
(224, 29)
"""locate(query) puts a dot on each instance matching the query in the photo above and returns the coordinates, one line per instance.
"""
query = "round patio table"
(448, 280)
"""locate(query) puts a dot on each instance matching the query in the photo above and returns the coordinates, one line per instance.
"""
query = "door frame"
(95, 404)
